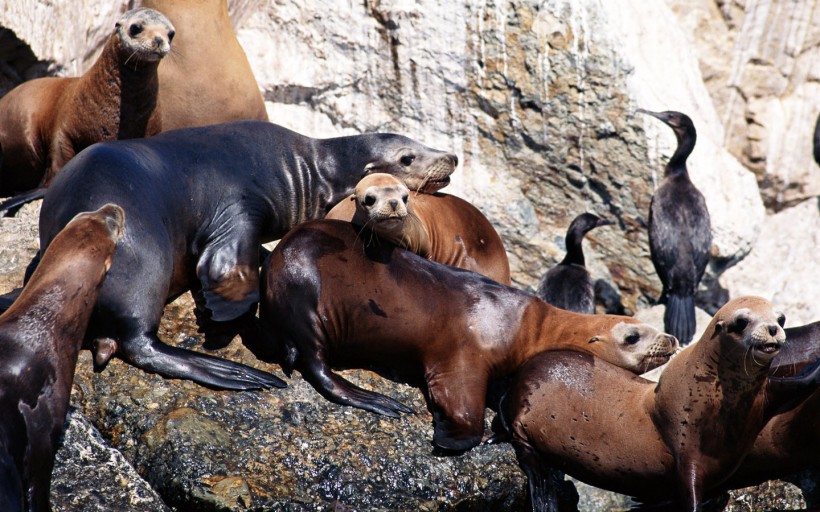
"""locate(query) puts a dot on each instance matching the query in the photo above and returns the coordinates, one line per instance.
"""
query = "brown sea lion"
(40, 336)
(47, 121)
(789, 443)
(674, 440)
(207, 78)
(200, 201)
(331, 300)
(440, 227)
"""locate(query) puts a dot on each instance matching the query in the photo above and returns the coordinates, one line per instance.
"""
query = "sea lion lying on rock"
(200, 201)
(40, 338)
(674, 440)
(331, 300)
(440, 227)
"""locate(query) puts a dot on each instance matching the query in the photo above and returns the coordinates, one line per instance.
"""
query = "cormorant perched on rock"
(680, 232)
(568, 285)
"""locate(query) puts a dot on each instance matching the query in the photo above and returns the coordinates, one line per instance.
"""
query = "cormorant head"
(684, 130)
(584, 223)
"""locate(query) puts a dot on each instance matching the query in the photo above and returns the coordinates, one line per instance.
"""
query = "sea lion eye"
(781, 320)
(134, 29)
(407, 159)
(369, 200)
(633, 338)
(405, 197)
(741, 324)
(171, 35)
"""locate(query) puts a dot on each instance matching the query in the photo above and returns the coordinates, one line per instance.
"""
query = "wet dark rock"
(93, 477)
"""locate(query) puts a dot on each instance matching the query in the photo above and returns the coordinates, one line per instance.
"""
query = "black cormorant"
(568, 285)
(680, 232)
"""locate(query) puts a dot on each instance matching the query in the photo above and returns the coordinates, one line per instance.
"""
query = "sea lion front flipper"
(228, 271)
(341, 391)
(147, 352)
(809, 377)
(458, 416)
(548, 489)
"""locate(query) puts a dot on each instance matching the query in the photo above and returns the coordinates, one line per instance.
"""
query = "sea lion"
(440, 227)
(680, 231)
(788, 443)
(568, 285)
(47, 121)
(41, 335)
(200, 201)
(331, 300)
(674, 440)
(207, 78)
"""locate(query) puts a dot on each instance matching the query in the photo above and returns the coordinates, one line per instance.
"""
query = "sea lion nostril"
(772, 330)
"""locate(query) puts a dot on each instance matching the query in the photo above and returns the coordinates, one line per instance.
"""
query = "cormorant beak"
(604, 222)
(658, 115)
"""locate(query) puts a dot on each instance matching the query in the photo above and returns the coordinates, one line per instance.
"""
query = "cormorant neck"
(575, 253)
(686, 143)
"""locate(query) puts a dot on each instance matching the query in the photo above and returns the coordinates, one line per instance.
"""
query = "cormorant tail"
(15, 202)
(679, 317)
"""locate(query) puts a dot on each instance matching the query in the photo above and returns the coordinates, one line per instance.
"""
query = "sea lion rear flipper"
(343, 392)
(150, 354)
(229, 275)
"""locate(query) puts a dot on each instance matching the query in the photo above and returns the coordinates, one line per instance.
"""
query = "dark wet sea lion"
(47, 121)
(680, 231)
(207, 78)
(41, 335)
(440, 227)
(674, 440)
(200, 201)
(568, 285)
(331, 300)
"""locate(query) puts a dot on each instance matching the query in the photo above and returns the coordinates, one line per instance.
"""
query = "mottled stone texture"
(538, 99)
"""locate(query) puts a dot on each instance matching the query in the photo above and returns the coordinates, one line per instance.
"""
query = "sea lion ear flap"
(370, 168)
(594, 339)
(720, 325)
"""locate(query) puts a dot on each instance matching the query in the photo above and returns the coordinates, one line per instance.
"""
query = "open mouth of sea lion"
(768, 347)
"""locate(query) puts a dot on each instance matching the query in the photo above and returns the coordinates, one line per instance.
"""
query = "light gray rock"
(784, 265)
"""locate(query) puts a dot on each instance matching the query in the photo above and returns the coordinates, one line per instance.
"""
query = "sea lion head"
(418, 166)
(108, 222)
(635, 346)
(751, 324)
(383, 201)
(145, 35)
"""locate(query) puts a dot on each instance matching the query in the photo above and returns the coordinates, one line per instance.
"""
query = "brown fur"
(41, 335)
(440, 227)
(207, 78)
(330, 300)
(48, 120)
(674, 440)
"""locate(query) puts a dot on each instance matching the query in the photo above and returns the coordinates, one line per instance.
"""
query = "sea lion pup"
(680, 231)
(41, 335)
(440, 227)
(47, 121)
(207, 78)
(568, 285)
(200, 202)
(329, 299)
(674, 440)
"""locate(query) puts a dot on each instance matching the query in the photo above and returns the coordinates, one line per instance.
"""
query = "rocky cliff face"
(538, 99)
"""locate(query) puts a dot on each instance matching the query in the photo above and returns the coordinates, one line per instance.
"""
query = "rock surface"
(93, 477)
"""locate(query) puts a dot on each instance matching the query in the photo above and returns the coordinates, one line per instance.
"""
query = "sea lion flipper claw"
(150, 354)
